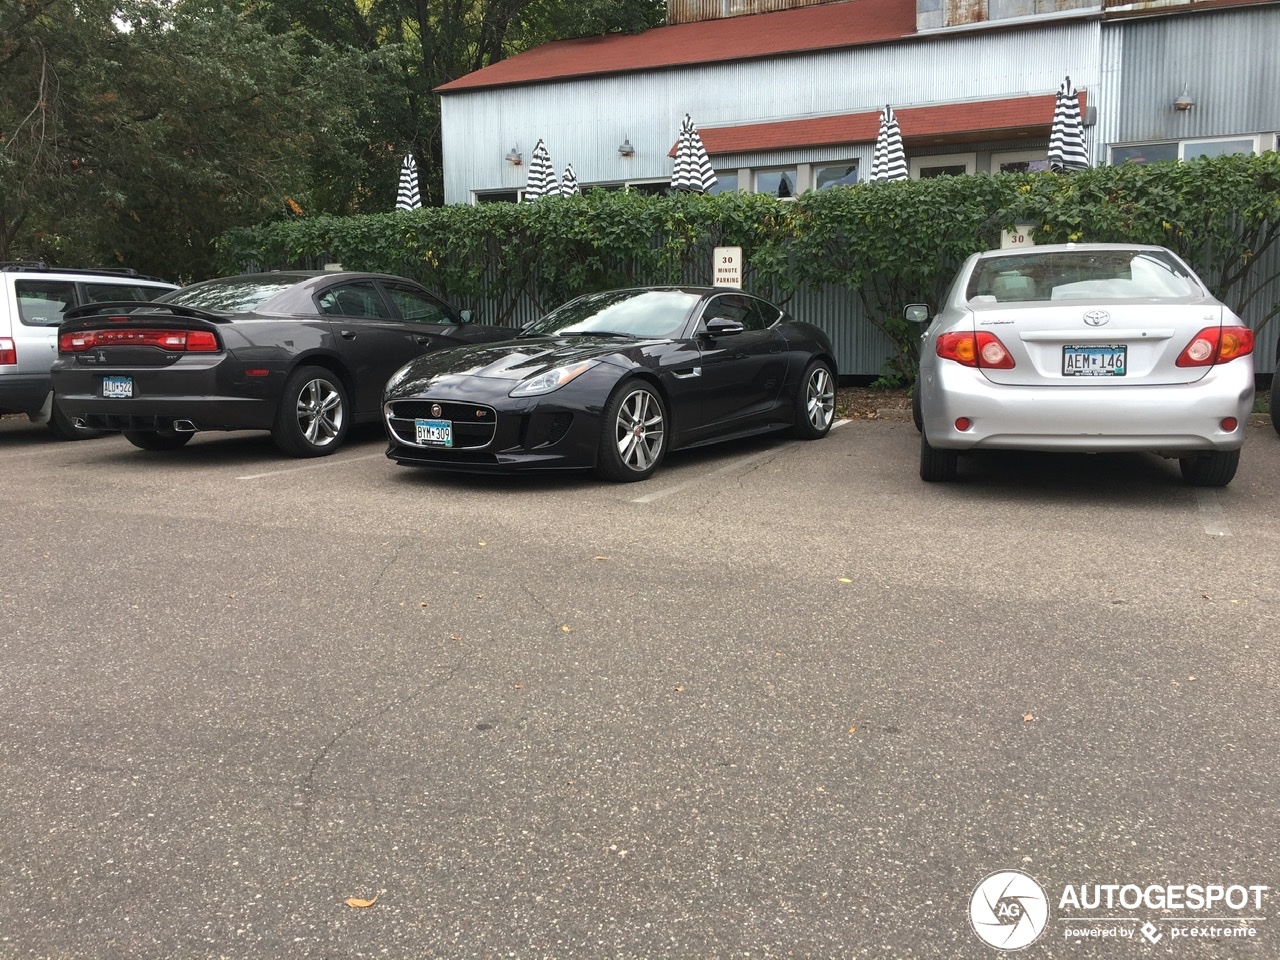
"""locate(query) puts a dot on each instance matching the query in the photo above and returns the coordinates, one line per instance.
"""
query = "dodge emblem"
(436, 410)
(1096, 318)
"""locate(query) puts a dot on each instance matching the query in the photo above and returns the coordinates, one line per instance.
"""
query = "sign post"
(726, 267)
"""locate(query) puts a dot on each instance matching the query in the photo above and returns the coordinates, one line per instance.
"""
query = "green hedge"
(886, 244)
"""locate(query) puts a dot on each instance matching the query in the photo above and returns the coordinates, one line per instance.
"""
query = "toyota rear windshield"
(1081, 275)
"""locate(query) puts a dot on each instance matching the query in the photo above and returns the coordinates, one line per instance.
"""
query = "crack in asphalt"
(308, 785)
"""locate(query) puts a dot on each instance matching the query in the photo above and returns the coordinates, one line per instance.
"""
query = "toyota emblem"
(1096, 318)
(436, 409)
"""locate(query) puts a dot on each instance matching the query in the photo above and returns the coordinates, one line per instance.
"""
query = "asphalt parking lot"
(780, 700)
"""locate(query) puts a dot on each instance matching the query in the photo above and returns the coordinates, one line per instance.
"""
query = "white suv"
(32, 300)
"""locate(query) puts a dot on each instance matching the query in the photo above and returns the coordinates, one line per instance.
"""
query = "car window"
(417, 306)
(231, 295)
(651, 314)
(739, 308)
(41, 302)
(359, 299)
(767, 314)
(106, 292)
(1081, 275)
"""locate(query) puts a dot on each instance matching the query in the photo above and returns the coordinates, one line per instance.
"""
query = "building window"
(497, 196)
(1021, 161)
(725, 183)
(1144, 153)
(944, 165)
(651, 188)
(780, 183)
(1217, 148)
(843, 174)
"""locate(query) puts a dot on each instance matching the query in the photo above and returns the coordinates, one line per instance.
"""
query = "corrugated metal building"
(788, 100)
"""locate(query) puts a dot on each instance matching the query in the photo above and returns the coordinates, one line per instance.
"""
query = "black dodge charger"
(613, 381)
(302, 354)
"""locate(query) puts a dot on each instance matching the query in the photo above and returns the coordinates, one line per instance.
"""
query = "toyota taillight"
(975, 350)
(174, 341)
(8, 352)
(1216, 345)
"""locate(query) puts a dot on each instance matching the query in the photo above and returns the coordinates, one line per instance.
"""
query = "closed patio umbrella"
(408, 197)
(889, 161)
(569, 182)
(542, 178)
(692, 170)
(1066, 139)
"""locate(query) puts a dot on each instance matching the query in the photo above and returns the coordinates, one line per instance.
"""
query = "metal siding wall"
(1227, 60)
(584, 121)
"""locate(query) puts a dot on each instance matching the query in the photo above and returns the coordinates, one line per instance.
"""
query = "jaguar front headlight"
(552, 379)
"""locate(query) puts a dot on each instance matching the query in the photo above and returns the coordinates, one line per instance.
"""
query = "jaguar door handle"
(348, 334)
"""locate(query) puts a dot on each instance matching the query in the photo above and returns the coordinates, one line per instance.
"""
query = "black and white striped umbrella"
(1066, 139)
(408, 197)
(542, 177)
(692, 170)
(569, 182)
(889, 162)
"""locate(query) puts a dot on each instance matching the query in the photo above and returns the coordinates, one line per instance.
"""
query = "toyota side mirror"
(917, 312)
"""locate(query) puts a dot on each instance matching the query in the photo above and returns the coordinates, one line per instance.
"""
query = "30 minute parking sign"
(726, 267)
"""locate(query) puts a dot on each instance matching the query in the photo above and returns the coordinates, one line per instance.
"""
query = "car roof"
(118, 274)
(1071, 247)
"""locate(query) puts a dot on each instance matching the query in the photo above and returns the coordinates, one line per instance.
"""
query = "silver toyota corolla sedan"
(1089, 348)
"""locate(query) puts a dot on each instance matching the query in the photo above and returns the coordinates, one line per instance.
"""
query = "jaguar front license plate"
(117, 386)
(1094, 360)
(434, 433)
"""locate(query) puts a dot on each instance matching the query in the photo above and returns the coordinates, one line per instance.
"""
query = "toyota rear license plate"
(117, 386)
(434, 433)
(1094, 360)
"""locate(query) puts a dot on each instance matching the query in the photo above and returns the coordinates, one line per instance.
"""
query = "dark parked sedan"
(612, 381)
(302, 354)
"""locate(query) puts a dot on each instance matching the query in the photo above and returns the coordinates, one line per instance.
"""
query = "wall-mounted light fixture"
(1184, 101)
(625, 149)
(514, 157)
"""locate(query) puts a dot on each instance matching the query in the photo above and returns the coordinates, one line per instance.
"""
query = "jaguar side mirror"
(723, 326)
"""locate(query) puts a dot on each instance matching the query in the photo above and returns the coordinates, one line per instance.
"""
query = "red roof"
(822, 27)
(950, 122)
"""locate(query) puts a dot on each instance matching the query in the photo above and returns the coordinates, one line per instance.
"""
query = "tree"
(136, 132)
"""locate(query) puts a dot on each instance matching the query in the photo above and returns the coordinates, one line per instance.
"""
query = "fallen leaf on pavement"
(567, 629)
(599, 558)
(1028, 717)
(357, 902)
(845, 580)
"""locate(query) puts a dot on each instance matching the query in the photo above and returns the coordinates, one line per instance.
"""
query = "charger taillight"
(171, 340)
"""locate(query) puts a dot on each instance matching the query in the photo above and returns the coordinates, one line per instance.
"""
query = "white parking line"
(728, 468)
(313, 465)
(1212, 515)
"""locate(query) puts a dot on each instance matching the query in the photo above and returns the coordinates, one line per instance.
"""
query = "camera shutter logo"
(1008, 910)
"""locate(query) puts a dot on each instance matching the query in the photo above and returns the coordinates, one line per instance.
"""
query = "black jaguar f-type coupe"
(612, 381)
